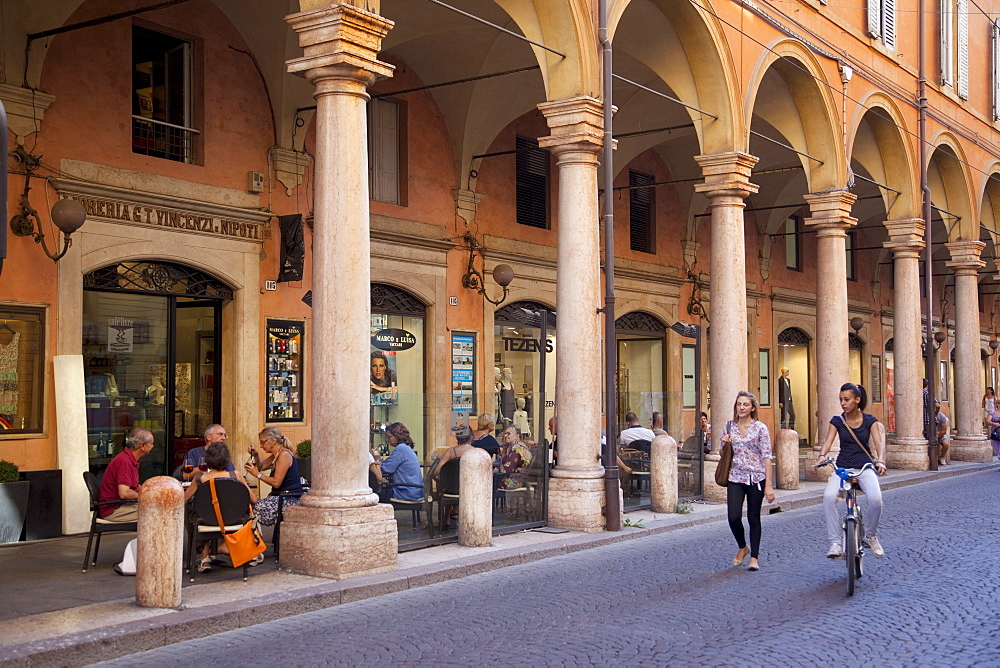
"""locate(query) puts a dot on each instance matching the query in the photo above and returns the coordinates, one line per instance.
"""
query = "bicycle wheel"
(851, 552)
(861, 546)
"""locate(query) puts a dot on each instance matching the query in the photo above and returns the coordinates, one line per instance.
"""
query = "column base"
(577, 504)
(814, 474)
(339, 543)
(971, 449)
(711, 491)
(907, 453)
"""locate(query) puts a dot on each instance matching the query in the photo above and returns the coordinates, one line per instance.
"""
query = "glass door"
(196, 365)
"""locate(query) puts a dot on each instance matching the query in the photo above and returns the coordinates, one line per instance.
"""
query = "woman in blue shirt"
(402, 465)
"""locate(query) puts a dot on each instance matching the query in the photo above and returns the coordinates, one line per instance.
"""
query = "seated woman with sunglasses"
(284, 478)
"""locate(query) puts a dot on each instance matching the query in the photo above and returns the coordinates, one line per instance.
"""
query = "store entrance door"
(131, 338)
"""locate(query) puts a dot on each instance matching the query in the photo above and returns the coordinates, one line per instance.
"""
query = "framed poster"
(463, 372)
(876, 381)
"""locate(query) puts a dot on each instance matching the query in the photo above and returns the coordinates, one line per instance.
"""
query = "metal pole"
(3, 185)
(697, 411)
(540, 409)
(612, 510)
(930, 370)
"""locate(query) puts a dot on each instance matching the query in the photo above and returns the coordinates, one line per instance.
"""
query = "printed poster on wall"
(120, 333)
(463, 375)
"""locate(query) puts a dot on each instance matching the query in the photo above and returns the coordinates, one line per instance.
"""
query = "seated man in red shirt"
(121, 480)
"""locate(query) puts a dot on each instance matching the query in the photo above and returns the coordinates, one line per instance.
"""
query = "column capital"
(576, 123)
(340, 39)
(906, 236)
(831, 212)
(726, 174)
(965, 256)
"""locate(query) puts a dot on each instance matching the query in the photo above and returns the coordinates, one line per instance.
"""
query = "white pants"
(868, 481)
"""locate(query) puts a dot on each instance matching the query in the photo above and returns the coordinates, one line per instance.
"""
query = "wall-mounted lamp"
(67, 214)
(473, 279)
(857, 323)
(994, 344)
(939, 338)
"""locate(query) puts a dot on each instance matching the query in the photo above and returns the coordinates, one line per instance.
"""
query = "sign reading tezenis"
(393, 339)
(181, 220)
(516, 345)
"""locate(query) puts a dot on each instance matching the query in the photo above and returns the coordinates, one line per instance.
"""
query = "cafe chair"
(234, 505)
(447, 489)
(280, 515)
(98, 525)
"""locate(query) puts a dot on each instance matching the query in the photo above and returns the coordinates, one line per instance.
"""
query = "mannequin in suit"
(785, 400)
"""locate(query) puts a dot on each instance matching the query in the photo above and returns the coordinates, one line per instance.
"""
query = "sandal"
(257, 561)
(205, 565)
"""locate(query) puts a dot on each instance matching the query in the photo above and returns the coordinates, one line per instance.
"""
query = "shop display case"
(285, 356)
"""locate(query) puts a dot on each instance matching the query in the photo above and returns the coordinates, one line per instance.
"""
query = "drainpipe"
(930, 369)
(3, 185)
(612, 510)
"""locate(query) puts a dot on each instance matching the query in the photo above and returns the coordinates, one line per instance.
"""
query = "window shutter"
(387, 162)
(640, 213)
(875, 18)
(963, 49)
(995, 29)
(947, 62)
(889, 24)
(532, 183)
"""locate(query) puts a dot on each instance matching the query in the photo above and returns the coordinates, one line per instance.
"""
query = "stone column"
(908, 449)
(340, 530)
(969, 444)
(159, 552)
(663, 475)
(475, 501)
(727, 185)
(786, 459)
(831, 218)
(576, 486)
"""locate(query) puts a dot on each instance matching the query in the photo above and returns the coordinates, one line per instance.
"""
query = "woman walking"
(993, 426)
(749, 476)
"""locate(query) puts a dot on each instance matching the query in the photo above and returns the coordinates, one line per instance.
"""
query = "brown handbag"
(246, 542)
(725, 462)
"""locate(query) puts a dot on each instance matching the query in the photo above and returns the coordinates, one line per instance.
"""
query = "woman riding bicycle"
(856, 440)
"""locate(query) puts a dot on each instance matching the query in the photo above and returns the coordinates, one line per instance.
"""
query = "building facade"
(236, 159)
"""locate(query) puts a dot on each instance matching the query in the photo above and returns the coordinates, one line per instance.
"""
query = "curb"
(188, 624)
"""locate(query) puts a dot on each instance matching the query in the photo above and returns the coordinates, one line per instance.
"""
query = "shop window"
(285, 370)
(882, 22)
(955, 46)
(687, 376)
(532, 183)
(641, 370)
(162, 93)
(856, 346)
(793, 228)
(765, 377)
(641, 212)
(397, 366)
(22, 356)
(384, 120)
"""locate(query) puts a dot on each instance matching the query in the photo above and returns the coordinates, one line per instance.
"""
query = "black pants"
(754, 495)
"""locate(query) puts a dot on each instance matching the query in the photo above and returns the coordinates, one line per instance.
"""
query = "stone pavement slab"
(87, 631)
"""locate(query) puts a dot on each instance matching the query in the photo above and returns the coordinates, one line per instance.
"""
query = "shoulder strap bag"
(726, 461)
(863, 448)
(246, 542)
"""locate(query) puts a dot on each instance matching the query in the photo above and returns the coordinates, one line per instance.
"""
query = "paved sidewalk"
(91, 617)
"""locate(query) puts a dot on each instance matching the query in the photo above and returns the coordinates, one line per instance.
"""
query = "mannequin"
(496, 396)
(785, 400)
(156, 393)
(521, 418)
(507, 405)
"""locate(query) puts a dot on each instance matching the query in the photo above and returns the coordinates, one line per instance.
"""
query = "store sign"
(516, 345)
(120, 335)
(186, 221)
(393, 339)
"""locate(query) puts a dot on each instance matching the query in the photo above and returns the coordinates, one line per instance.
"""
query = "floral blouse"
(749, 452)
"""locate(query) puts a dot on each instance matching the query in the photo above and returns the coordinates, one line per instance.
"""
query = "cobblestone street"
(673, 599)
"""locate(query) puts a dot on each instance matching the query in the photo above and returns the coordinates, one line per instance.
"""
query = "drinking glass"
(202, 466)
(188, 465)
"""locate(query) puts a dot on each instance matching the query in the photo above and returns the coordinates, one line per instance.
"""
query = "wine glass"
(188, 465)
(202, 466)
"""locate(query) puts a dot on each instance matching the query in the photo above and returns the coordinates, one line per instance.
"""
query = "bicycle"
(854, 524)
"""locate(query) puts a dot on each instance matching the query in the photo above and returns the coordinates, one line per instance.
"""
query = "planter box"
(13, 506)
(44, 519)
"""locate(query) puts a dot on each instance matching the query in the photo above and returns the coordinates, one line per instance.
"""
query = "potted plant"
(304, 451)
(13, 502)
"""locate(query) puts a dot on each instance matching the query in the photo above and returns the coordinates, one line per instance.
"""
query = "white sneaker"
(836, 551)
(875, 546)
